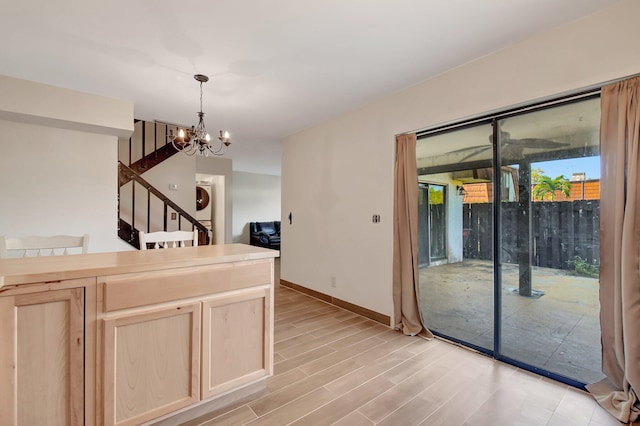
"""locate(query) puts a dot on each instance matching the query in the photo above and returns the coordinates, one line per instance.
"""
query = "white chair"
(43, 246)
(167, 239)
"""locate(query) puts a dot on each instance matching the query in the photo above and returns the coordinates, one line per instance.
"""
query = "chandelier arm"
(222, 150)
(188, 148)
(219, 151)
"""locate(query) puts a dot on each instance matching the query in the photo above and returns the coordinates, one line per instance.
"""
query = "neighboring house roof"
(477, 193)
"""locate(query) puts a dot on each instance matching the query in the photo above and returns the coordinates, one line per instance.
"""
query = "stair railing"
(129, 232)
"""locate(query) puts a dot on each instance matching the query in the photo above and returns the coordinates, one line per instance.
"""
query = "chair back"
(43, 246)
(167, 239)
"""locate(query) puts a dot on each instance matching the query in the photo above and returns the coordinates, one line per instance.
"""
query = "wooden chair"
(43, 246)
(167, 239)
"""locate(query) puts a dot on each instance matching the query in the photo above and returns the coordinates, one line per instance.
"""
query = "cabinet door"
(42, 358)
(151, 363)
(236, 340)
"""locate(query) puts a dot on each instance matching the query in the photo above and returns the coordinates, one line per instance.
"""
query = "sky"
(589, 165)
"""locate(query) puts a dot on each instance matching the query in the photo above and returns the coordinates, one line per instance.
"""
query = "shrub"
(581, 267)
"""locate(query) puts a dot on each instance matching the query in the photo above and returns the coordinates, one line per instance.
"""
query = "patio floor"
(559, 331)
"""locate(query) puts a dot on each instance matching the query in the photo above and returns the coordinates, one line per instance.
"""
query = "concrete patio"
(559, 331)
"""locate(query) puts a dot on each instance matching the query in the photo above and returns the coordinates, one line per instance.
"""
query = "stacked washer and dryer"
(204, 200)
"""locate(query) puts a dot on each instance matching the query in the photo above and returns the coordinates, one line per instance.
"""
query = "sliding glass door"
(518, 277)
(550, 240)
(454, 244)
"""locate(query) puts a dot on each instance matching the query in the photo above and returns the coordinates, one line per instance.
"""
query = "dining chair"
(167, 239)
(43, 246)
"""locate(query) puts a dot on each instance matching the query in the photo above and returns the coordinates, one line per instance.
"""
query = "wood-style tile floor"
(333, 367)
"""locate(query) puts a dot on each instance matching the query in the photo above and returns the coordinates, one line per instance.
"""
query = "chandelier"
(197, 140)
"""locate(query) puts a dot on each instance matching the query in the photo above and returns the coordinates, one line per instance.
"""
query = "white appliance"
(203, 202)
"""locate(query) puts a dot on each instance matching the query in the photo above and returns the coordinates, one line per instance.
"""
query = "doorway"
(432, 202)
(212, 213)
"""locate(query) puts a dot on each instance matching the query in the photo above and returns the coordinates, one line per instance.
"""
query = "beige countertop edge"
(16, 272)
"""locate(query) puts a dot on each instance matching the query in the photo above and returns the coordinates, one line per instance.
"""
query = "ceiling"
(276, 67)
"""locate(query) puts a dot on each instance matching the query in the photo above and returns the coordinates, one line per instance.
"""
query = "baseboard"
(367, 313)
(207, 408)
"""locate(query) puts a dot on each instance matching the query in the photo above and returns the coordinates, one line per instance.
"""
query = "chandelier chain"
(200, 96)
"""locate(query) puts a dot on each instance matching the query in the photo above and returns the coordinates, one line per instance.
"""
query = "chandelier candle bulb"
(224, 138)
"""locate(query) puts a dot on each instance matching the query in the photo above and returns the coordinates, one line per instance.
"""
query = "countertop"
(15, 272)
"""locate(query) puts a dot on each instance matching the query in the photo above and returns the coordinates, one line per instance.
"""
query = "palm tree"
(535, 174)
(547, 187)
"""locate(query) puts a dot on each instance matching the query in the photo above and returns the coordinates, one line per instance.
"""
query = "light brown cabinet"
(170, 340)
(42, 357)
(133, 337)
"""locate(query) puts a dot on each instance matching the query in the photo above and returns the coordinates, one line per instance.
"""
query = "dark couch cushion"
(268, 228)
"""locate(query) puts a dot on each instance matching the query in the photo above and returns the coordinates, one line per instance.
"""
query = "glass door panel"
(455, 248)
(424, 248)
(549, 241)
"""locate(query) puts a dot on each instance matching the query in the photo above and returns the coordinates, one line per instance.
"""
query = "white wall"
(336, 175)
(455, 244)
(179, 170)
(35, 103)
(256, 198)
(219, 210)
(58, 162)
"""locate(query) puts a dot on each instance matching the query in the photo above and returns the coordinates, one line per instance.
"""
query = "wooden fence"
(560, 231)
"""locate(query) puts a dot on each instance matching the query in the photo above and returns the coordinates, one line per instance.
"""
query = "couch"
(265, 234)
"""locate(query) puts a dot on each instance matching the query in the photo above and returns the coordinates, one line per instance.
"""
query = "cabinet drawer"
(147, 288)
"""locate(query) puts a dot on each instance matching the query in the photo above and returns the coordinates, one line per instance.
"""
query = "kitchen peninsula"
(126, 338)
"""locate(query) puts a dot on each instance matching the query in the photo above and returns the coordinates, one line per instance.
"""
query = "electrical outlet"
(174, 215)
(333, 282)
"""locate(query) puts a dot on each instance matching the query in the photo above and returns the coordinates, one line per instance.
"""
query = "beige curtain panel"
(620, 251)
(405, 239)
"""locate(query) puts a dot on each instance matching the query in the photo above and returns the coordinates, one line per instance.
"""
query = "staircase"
(141, 206)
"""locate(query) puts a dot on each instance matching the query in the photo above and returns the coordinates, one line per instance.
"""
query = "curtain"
(620, 251)
(405, 239)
